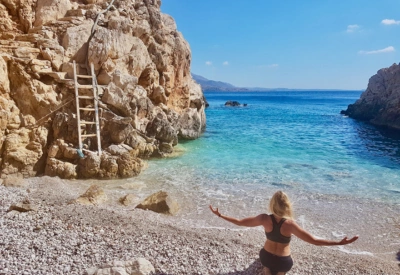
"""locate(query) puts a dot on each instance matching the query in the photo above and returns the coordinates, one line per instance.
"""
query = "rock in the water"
(128, 199)
(160, 202)
(232, 103)
(93, 196)
(379, 104)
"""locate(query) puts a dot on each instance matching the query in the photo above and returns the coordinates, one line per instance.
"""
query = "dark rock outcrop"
(380, 103)
(232, 103)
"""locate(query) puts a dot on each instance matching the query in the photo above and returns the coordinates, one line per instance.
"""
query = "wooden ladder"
(95, 89)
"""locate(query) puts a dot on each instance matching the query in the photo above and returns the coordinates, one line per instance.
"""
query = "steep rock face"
(380, 103)
(148, 98)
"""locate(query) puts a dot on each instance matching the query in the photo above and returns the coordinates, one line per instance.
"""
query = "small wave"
(220, 194)
(354, 252)
(394, 190)
(221, 228)
(300, 166)
(282, 185)
(340, 174)
(338, 234)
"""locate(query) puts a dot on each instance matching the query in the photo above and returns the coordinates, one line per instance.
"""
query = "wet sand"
(63, 238)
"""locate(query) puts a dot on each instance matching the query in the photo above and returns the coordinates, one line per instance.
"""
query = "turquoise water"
(295, 141)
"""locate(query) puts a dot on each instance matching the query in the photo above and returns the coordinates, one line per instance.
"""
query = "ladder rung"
(87, 122)
(96, 89)
(84, 76)
(86, 97)
(85, 86)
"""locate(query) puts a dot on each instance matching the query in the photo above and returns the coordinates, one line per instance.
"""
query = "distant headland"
(208, 85)
(216, 86)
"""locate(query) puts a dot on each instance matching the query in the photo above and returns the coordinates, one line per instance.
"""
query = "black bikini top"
(275, 235)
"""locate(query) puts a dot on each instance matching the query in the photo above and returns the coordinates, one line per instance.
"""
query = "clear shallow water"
(296, 141)
(342, 176)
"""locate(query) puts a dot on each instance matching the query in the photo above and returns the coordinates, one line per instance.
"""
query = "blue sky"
(325, 44)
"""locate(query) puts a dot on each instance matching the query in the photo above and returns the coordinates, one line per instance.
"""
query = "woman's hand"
(216, 212)
(250, 222)
(347, 241)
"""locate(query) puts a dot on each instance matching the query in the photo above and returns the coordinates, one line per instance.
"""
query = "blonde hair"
(280, 205)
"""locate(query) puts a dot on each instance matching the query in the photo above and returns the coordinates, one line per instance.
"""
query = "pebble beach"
(64, 238)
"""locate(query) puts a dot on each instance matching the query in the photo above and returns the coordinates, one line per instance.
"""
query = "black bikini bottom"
(275, 263)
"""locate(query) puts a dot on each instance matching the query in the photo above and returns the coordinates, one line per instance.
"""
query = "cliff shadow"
(380, 143)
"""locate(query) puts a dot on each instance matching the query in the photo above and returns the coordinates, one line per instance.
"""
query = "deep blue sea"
(295, 140)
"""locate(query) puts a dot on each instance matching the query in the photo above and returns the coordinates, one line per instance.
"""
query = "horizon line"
(265, 88)
(293, 89)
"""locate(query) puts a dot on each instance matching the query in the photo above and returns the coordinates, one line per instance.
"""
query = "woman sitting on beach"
(279, 227)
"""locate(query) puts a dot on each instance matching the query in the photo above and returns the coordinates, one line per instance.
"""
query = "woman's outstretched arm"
(307, 237)
(250, 222)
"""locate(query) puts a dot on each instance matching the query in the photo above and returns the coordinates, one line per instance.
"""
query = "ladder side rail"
(96, 107)
(78, 114)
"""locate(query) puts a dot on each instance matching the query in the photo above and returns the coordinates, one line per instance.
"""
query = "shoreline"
(62, 238)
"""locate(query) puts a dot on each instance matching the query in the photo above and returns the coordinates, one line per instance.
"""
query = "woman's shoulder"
(290, 223)
(264, 217)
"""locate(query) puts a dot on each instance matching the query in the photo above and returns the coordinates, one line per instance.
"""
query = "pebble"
(67, 239)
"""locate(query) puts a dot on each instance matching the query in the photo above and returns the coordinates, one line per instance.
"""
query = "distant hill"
(219, 86)
(211, 85)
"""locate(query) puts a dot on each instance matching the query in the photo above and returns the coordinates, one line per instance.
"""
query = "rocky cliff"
(380, 103)
(148, 98)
